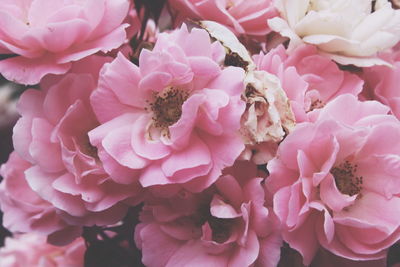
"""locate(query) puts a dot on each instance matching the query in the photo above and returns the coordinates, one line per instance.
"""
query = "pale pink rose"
(23, 209)
(228, 225)
(52, 134)
(348, 31)
(172, 120)
(47, 37)
(382, 83)
(242, 17)
(309, 79)
(33, 251)
(335, 181)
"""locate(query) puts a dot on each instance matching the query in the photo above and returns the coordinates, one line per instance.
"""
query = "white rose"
(349, 31)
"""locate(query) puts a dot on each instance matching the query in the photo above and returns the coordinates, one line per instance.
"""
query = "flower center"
(167, 107)
(87, 148)
(221, 228)
(346, 180)
(317, 103)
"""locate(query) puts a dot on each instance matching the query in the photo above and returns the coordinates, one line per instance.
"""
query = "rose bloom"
(242, 17)
(23, 209)
(32, 250)
(172, 120)
(349, 31)
(226, 225)
(309, 79)
(66, 170)
(45, 38)
(335, 181)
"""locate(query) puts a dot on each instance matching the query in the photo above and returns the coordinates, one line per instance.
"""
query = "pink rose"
(309, 79)
(32, 250)
(172, 120)
(46, 38)
(66, 170)
(226, 225)
(242, 17)
(23, 209)
(335, 181)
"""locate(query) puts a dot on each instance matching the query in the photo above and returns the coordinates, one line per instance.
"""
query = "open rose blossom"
(335, 181)
(175, 118)
(46, 37)
(228, 225)
(52, 135)
(309, 79)
(23, 209)
(243, 17)
(32, 250)
(349, 31)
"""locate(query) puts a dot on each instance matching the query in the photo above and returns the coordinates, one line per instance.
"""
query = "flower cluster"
(221, 133)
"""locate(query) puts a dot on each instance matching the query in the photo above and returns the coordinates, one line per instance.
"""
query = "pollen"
(167, 107)
(316, 104)
(346, 179)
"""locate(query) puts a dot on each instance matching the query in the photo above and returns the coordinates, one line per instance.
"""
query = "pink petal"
(122, 78)
(105, 43)
(142, 146)
(332, 197)
(153, 175)
(230, 189)
(46, 154)
(182, 130)
(152, 239)
(118, 144)
(373, 210)
(30, 71)
(246, 255)
(192, 254)
(203, 66)
(195, 155)
(120, 174)
(230, 80)
(61, 35)
(220, 209)
(270, 251)
(22, 138)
